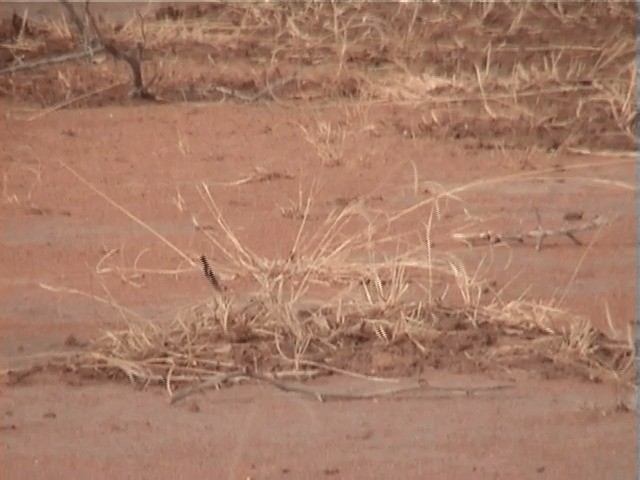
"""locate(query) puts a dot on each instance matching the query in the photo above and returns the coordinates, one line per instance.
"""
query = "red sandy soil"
(146, 157)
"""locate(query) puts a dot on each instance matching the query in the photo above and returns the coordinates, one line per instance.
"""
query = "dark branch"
(140, 91)
(76, 20)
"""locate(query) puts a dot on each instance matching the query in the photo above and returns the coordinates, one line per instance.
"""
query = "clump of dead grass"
(351, 296)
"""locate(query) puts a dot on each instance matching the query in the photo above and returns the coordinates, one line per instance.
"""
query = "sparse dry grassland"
(556, 76)
(560, 74)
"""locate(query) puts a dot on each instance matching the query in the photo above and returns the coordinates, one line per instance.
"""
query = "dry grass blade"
(109, 302)
(521, 176)
(127, 213)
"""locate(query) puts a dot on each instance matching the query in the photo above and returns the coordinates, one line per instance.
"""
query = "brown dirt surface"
(432, 124)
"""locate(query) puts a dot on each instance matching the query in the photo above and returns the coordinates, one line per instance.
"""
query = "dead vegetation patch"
(343, 301)
(557, 74)
(261, 337)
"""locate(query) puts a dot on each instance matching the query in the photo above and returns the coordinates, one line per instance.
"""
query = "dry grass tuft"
(351, 297)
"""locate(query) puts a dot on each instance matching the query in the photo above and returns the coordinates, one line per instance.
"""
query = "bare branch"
(538, 234)
(140, 91)
(132, 58)
(76, 21)
(40, 62)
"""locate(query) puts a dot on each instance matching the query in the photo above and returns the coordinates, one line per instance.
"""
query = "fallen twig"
(250, 98)
(69, 101)
(539, 234)
(603, 153)
(90, 52)
(259, 175)
(322, 396)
